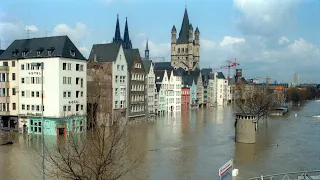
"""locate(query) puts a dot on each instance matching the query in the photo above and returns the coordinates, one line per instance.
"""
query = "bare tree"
(254, 100)
(104, 152)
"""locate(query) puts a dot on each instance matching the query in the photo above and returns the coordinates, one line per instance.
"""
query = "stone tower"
(185, 49)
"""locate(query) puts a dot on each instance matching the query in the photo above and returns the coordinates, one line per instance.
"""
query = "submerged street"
(195, 144)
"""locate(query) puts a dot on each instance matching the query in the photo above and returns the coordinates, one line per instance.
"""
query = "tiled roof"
(105, 52)
(147, 65)
(59, 46)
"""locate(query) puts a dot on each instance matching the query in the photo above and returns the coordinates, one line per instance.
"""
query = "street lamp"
(37, 64)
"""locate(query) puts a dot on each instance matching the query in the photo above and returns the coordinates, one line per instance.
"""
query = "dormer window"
(39, 53)
(24, 53)
(14, 54)
(50, 53)
(72, 53)
(137, 65)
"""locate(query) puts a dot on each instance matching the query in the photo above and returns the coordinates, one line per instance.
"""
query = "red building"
(185, 97)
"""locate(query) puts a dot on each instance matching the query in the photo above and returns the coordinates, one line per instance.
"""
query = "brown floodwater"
(195, 144)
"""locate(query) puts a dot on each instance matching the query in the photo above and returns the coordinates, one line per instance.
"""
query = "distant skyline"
(275, 37)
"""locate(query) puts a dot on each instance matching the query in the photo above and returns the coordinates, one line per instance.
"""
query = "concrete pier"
(245, 128)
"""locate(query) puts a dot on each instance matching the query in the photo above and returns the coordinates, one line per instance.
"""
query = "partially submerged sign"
(225, 172)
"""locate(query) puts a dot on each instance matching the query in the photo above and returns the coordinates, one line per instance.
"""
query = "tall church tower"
(185, 49)
(126, 41)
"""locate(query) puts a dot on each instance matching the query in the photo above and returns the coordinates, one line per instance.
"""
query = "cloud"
(10, 29)
(85, 51)
(228, 40)
(31, 28)
(283, 40)
(207, 44)
(265, 17)
(77, 34)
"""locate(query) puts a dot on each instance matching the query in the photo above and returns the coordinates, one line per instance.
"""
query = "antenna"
(46, 33)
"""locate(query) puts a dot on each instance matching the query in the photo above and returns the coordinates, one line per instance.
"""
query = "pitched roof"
(220, 75)
(1, 51)
(184, 31)
(159, 75)
(131, 54)
(206, 71)
(105, 52)
(158, 86)
(187, 80)
(162, 65)
(147, 65)
(61, 46)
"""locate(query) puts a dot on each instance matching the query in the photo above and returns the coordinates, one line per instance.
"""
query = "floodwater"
(195, 144)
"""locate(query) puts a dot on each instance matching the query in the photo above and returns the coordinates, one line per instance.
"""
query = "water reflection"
(194, 144)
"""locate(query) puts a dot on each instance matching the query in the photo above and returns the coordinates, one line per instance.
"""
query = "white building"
(64, 84)
(174, 91)
(220, 89)
(150, 85)
(296, 79)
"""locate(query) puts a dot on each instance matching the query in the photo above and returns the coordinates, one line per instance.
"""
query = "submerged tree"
(255, 101)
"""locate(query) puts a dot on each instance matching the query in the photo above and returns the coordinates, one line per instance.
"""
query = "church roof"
(184, 31)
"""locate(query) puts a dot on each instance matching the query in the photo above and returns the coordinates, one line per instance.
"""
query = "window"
(116, 104)
(69, 66)
(24, 53)
(13, 76)
(13, 64)
(22, 93)
(122, 67)
(69, 80)
(77, 107)
(22, 106)
(28, 107)
(13, 91)
(77, 67)
(64, 80)
(32, 80)
(64, 108)
(13, 106)
(81, 93)
(81, 67)
(22, 80)
(81, 82)
(116, 91)
(37, 94)
(64, 94)
(69, 108)
(77, 80)
(14, 54)
(64, 66)
(118, 67)
(69, 94)
(38, 108)
(32, 93)
(73, 53)
(22, 66)
(116, 78)
(81, 107)
(77, 94)
(39, 53)
(49, 53)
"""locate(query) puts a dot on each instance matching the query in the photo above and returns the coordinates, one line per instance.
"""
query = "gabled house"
(205, 79)
(220, 89)
(107, 82)
(150, 86)
(137, 100)
(161, 80)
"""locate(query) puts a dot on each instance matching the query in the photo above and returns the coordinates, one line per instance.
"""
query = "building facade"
(220, 87)
(185, 49)
(150, 86)
(137, 102)
(107, 82)
(64, 94)
(185, 97)
(161, 83)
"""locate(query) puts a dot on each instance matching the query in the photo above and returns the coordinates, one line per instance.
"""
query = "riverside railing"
(300, 175)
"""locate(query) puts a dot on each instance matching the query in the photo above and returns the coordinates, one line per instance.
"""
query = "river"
(195, 144)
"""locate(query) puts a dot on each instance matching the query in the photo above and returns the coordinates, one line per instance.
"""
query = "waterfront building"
(185, 97)
(185, 49)
(220, 88)
(107, 76)
(150, 86)
(136, 74)
(64, 86)
(161, 83)
(205, 79)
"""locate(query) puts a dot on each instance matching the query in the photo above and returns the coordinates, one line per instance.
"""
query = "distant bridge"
(301, 175)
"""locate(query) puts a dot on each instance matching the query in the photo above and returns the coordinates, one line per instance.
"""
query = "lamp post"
(37, 64)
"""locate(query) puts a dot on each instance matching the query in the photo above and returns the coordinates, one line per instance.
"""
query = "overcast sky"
(274, 38)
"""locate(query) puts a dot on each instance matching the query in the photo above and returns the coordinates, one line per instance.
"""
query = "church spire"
(126, 39)
(117, 34)
(146, 52)
(183, 35)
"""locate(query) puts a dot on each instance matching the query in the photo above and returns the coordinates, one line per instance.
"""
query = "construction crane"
(235, 64)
